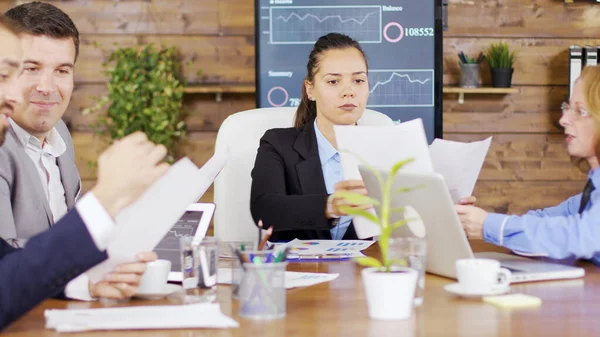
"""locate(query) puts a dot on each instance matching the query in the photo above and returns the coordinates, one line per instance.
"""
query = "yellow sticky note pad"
(513, 301)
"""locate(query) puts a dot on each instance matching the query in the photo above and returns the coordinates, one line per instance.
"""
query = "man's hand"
(123, 282)
(472, 219)
(354, 186)
(470, 200)
(127, 169)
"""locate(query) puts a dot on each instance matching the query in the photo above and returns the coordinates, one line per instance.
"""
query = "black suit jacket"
(288, 188)
(44, 267)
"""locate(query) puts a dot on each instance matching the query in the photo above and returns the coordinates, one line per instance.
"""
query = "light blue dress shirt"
(332, 172)
(559, 231)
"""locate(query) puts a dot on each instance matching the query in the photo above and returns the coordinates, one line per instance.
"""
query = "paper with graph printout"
(198, 315)
(293, 279)
(348, 248)
(459, 163)
(381, 147)
(141, 226)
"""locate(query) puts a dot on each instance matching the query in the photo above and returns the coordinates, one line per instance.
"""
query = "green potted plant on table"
(501, 60)
(144, 94)
(389, 284)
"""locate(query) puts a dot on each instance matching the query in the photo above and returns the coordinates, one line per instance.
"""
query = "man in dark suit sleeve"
(30, 275)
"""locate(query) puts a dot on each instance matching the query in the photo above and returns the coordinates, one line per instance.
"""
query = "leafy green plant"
(499, 55)
(383, 220)
(144, 94)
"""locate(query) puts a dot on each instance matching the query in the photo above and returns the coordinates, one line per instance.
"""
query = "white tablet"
(193, 222)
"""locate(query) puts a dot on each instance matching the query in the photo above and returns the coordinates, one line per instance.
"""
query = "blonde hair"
(590, 76)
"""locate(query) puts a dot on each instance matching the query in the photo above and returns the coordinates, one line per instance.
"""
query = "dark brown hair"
(43, 19)
(10, 25)
(307, 110)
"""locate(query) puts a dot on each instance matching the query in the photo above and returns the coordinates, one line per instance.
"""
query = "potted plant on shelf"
(144, 94)
(501, 60)
(389, 284)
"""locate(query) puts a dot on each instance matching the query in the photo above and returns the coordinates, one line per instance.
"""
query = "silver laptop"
(446, 240)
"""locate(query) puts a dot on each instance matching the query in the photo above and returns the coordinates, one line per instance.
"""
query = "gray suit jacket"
(24, 209)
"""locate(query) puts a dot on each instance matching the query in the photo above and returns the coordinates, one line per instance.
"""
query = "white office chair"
(240, 134)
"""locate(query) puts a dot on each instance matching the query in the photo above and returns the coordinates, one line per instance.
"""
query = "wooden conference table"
(338, 308)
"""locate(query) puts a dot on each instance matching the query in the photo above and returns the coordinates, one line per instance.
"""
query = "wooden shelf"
(219, 89)
(481, 90)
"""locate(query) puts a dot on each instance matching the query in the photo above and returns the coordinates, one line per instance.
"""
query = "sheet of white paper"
(142, 225)
(201, 315)
(292, 279)
(381, 147)
(459, 163)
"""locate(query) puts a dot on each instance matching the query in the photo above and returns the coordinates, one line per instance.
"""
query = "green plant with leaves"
(499, 55)
(144, 94)
(383, 219)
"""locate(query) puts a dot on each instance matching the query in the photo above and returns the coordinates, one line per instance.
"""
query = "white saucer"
(457, 289)
(168, 289)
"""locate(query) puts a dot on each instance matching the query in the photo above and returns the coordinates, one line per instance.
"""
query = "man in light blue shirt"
(332, 172)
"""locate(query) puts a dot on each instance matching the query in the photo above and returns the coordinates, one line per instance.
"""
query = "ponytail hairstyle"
(307, 110)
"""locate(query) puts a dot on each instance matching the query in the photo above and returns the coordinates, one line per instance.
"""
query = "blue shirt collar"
(326, 150)
(595, 176)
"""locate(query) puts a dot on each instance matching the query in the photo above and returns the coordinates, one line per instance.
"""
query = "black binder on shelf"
(575, 65)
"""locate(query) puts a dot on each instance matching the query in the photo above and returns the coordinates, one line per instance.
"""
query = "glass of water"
(411, 252)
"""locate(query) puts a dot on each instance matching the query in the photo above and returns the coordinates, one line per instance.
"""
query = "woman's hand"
(334, 202)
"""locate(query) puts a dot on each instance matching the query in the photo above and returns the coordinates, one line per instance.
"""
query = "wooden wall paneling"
(236, 17)
(527, 157)
(226, 59)
(535, 109)
(202, 112)
(523, 18)
(142, 16)
(539, 61)
(517, 197)
(198, 146)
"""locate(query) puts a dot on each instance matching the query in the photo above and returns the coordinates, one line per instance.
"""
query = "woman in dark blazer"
(297, 169)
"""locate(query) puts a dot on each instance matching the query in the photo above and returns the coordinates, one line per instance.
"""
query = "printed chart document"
(293, 279)
(459, 163)
(381, 147)
(142, 225)
(347, 248)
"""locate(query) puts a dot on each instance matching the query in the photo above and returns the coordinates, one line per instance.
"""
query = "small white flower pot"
(390, 295)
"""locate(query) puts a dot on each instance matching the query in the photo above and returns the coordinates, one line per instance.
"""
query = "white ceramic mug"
(155, 277)
(481, 274)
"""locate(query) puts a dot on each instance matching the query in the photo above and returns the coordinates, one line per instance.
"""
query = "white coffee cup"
(481, 274)
(155, 277)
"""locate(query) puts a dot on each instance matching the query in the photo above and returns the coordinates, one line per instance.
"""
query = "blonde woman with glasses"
(571, 229)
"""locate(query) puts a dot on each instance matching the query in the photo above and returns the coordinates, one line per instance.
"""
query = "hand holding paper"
(141, 226)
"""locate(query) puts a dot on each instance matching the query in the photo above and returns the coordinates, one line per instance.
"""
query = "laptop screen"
(168, 247)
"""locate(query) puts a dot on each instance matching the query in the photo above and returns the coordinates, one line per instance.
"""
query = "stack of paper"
(201, 315)
(142, 225)
(384, 146)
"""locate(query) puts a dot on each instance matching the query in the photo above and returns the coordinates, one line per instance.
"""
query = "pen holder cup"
(236, 265)
(470, 75)
(262, 293)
